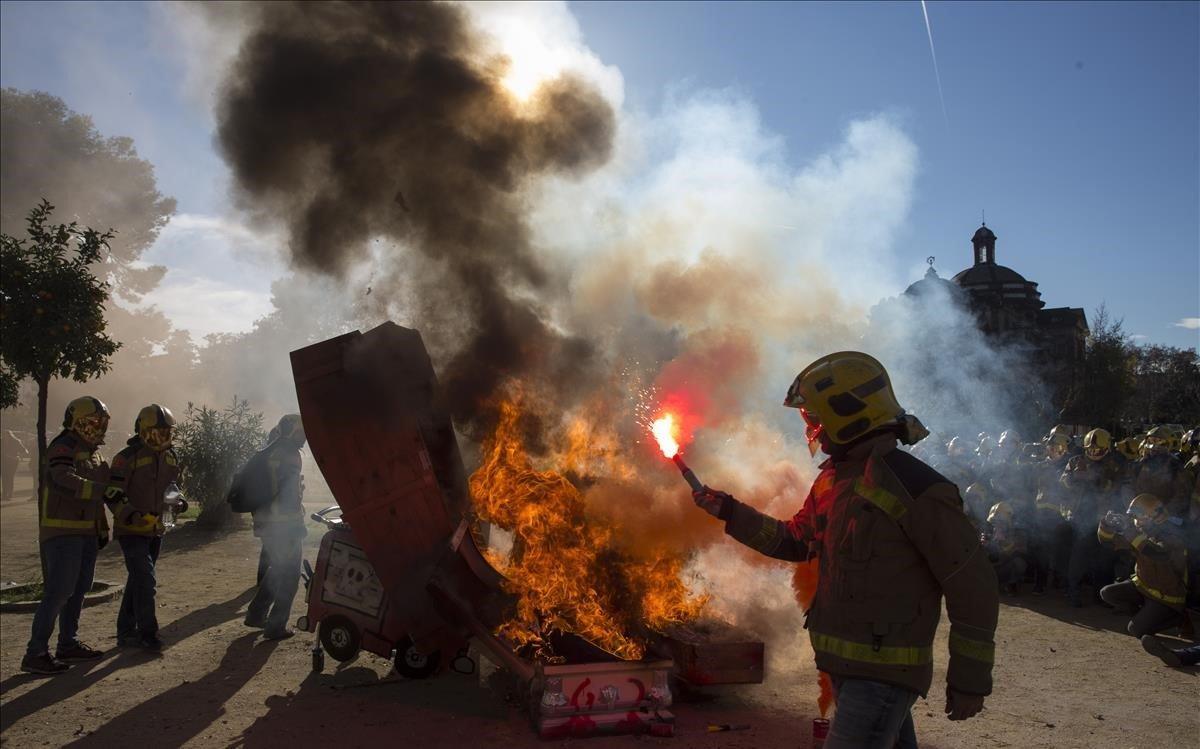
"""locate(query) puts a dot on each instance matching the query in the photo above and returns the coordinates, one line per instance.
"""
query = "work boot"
(42, 664)
(278, 634)
(254, 622)
(151, 643)
(77, 653)
(1154, 647)
(1075, 598)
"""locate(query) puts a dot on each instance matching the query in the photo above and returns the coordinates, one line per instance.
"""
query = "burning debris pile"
(567, 568)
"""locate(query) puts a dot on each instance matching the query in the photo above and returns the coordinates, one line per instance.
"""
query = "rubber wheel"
(412, 663)
(339, 637)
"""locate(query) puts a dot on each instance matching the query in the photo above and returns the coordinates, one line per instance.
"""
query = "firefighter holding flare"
(892, 539)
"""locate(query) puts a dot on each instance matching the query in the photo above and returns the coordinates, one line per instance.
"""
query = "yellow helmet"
(1148, 507)
(1062, 429)
(985, 447)
(1000, 511)
(976, 493)
(1157, 441)
(843, 396)
(154, 425)
(1190, 443)
(1097, 443)
(291, 428)
(1057, 445)
(955, 447)
(1174, 439)
(1009, 442)
(88, 418)
(1128, 447)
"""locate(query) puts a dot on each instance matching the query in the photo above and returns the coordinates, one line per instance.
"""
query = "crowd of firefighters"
(1120, 516)
(138, 489)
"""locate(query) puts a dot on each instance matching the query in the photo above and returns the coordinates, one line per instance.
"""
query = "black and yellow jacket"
(892, 539)
(143, 474)
(1161, 569)
(72, 499)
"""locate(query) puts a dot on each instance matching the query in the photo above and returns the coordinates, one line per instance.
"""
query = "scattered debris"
(719, 727)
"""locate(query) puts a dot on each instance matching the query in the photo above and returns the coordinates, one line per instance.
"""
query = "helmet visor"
(158, 438)
(1095, 452)
(812, 430)
(92, 428)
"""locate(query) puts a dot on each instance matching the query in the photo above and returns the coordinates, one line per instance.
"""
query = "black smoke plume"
(354, 121)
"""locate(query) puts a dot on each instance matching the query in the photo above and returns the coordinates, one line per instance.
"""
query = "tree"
(1168, 386)
(212, 445)
(52, 308)
(1107, 381)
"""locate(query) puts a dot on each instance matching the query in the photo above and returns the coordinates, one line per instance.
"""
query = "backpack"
(250, 490)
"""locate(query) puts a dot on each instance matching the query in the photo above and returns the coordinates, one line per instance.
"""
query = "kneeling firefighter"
(144, 469)
(891, 538)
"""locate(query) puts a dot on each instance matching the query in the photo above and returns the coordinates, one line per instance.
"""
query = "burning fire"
(566, 567)
(666, 431)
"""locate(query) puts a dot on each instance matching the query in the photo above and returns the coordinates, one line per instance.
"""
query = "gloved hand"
(960, 706)
(114, 495)
(711, 500)
(181, 507)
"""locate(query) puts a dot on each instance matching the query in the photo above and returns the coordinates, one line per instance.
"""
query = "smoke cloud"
(361, 121)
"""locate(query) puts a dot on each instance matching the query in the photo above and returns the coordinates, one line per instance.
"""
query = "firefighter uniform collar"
(876, 444)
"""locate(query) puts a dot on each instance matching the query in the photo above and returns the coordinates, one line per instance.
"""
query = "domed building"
(1009, 308)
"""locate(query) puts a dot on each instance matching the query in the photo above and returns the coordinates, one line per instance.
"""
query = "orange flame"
(666, 431)
(566, 567)
(804, 585)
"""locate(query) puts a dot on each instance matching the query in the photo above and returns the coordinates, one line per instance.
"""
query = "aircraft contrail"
(933, 52)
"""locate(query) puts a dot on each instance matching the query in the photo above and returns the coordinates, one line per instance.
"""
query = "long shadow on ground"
(84, 675)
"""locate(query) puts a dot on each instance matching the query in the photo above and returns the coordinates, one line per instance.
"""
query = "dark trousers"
(69, 564)
(1152, 617)
(872, 715)
(137, 617)
(263, 564)
(1090, 558)
(273, 601)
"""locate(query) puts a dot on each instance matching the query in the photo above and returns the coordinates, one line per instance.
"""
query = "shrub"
(212, 445)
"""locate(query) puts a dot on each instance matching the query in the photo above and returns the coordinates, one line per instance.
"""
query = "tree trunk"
(43, 385)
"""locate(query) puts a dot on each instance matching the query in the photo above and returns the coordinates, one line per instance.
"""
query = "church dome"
(988, 274)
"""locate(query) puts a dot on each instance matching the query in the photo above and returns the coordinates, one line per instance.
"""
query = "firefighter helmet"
(1057, 445)
(844, 396)
(1000, 511)
(291, 428)
(1147, 507)
(1097, 443)
(1009, 442)
(88, 418)
(1156, 441)
(954, 447)
(1128, 447)
(986, 445)
(1174, 439)
(1191, 442)
(154, 425)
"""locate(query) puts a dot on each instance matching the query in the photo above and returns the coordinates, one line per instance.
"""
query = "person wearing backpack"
(279, 521)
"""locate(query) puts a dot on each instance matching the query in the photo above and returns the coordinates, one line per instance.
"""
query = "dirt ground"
(1064, 677)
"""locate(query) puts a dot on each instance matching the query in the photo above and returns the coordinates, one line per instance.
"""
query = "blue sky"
(1075, 125)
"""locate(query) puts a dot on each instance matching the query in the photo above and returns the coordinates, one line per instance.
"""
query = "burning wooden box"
(383, 440)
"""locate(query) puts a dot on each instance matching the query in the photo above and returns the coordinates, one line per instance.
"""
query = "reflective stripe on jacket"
(892, 538)
(143, 474)
(71, 502)
(1161, 570)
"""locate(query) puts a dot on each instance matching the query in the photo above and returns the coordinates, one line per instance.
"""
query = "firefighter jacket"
(1161, 568)
(1012, 483)
(284, 513)
(144, 475)
(1163, 475)
(72, 498)
(1094, 486)
(1003, 540)
(1051, 498)
(891, 539)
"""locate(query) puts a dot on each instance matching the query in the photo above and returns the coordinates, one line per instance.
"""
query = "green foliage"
(10, 388)
(51, 305)
(1167, 386)
(212, 445)
(1108, 380)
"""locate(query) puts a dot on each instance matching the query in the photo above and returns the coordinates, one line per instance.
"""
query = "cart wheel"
(340, 637)
(318, 660)
(412, 663)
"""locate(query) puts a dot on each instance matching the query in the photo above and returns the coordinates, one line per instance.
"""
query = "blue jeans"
(871, 715)
(70, 565)
(273, 600)
(137, 617)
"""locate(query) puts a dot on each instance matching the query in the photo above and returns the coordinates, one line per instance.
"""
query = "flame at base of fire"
(565, 568)
(804, 584)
